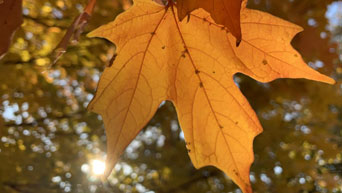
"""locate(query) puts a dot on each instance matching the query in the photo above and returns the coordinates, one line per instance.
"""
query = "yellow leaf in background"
(192, 64)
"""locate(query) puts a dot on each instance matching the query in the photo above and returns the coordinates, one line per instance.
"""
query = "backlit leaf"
(192, 64)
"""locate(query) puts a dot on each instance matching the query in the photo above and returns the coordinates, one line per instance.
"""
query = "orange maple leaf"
(225, 12)
(192, 64)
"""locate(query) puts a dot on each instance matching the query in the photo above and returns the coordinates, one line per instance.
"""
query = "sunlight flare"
(98, 167)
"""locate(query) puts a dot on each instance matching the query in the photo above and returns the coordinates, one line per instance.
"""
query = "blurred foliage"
(48, 139)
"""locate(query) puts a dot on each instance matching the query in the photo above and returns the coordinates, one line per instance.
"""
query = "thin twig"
(74, 30)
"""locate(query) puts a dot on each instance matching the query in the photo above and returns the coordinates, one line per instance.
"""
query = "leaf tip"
(324, 79)
(96, 32)
(329, 80)
(248, 189)
(109, 167)
(92, 34)
(238, 41)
